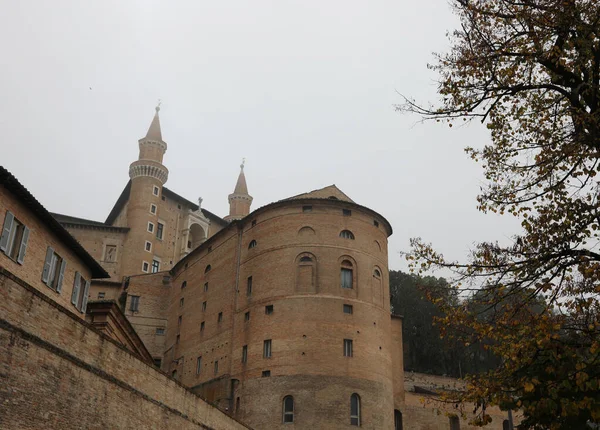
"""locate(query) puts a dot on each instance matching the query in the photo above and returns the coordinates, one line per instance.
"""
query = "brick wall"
(60, 373)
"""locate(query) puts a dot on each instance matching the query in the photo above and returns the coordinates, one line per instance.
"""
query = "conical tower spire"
(154, 132)
(240, 200)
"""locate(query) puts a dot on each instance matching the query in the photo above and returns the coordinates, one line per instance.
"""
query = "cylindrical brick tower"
(239, 200)
(287, 317)
(147, 175)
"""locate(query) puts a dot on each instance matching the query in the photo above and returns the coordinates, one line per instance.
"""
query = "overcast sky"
(304, 90)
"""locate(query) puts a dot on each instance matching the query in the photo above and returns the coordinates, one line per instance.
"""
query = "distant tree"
(529, 70)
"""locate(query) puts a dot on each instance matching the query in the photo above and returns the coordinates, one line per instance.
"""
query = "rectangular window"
(376, 223)
(249, 287)
(157, 362)
(347, 309)
(346, 275)
(206, 287)
(150, 227)
(101, 295)
(347, 347)
(247, 316)
(179, 320)
(266, 373)
(79, 296)
(134, 304)
(267, 349)
(54, 270)
(216, 367)
(269, 309)
(201, 326)
(220, 317)
(181, 302)
(198, 365)
(110, 253)
(153, 209)
(145, 267)
(15, 236)
(245, 354)
(160, 331)
(177, 339)
(203, 306)
(155, 190)
(148, 246)
(155, 266)
(347, 212)
(306, 208)
(159, 230)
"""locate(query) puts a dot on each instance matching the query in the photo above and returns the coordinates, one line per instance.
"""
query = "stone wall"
(60, 373)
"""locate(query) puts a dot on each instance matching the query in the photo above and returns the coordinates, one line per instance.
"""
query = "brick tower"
(240, 200)
(148, 175)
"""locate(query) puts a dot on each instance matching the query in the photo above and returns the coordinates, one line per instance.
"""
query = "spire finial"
(243, 162)
(158, 105)
(200, 202)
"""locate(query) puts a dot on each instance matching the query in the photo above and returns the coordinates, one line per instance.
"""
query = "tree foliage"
(530, 71)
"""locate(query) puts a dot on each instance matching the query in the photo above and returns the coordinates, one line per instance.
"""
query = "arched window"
(346, 234)
(333, 198)
(377, 287)
(377, 273)
(306, 273)
(183, 284)
(207, 269)
(252, 244)
(305, 259)
(288, 409)
(355, 410)
(346, 274)
(397, 420)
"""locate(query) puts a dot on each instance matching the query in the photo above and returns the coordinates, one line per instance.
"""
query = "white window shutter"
(61, 276)
(85, 296)
(8, 222)
(47, 262)
(23, 248)
(75, 294)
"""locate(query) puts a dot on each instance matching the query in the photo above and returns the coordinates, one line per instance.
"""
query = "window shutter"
(61, 276)
(76, 288)
(23, 248)
(85, 296)
(8, 222)
(46, 271)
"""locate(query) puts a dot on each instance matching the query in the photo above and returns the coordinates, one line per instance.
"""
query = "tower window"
(160, 331)
(216, 367)
(101, 295)
(201, 326)
(269, 309)
(148, 246)
(179, 320)
(355, 410)
(306, 208)
(288, 409)
(181, 302)
(159, 230)
(347, 347)
(207, 268)
(198, 365)
(346, 275)
(252, 244)
(253, 222)
(145, 267)
(153, 208)
(203, 306)
(183, 284)
(247, 316)
(376, 223)
(134, 305)
(397, 420)
(377, 273)
(267, 348)
(150, 227)
(249, 287)
(346, 212)
(346, 234)
(348, 309)
(156, 190)
(245, 354)
(266, 373)
(206, 287)
(155, 266)
(177, 339)
(220, 317)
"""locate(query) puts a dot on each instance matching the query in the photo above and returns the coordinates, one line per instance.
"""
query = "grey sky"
(303, 89)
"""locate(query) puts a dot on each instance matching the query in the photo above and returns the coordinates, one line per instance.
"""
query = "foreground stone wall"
(58, 372)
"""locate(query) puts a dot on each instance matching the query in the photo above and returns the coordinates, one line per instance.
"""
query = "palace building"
(262, 319)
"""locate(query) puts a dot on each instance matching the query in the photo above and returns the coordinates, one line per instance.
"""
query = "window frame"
(53, 272)
(347, 307)
(348, 348)
(220, 317)
(155, 266)
(252, 244)
(145, 267)
(160, 331)
(150, 227)
(247, 316)
(202, 326)
(14, 238)
(160, 230)
(134, 303)
(269, 309)
(198, 365)
(355, 416)
(347, 234)
(146, 246)
(105, 256)
(155, 190)
(267, 348)
(249, 287)
(153, 208)
(287, 414)
(244, 354)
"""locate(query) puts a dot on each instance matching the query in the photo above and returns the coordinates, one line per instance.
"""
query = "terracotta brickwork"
(288, 257)
(60, 373)
(39, 239)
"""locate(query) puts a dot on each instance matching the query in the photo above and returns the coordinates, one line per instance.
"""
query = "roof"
(241, 187)
(8, 181)
(330, 192)
(71, 221)
(116, 210)
(154, 132)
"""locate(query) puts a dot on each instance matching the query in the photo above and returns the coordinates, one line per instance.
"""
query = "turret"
(152, 150)
(240, 200)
